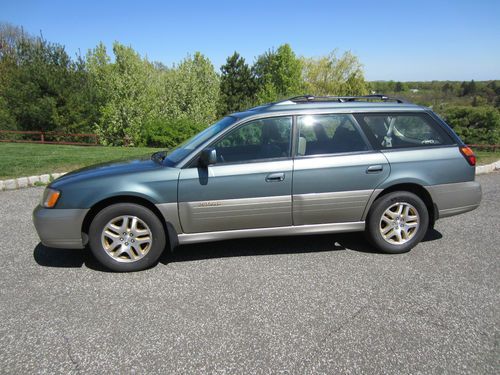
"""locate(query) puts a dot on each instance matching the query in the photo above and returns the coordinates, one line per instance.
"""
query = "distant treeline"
(125, 98)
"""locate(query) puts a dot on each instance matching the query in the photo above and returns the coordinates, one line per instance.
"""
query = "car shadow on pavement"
(277, 245)
(65, 258)
(70, 258)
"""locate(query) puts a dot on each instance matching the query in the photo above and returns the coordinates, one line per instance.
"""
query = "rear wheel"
(126, 237)
(397, 222)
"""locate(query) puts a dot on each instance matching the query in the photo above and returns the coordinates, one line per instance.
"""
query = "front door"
(335, 170)
(250, 185)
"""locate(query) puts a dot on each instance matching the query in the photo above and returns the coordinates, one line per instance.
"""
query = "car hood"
(113, 168)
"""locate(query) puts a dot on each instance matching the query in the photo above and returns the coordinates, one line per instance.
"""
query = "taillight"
(468, 155)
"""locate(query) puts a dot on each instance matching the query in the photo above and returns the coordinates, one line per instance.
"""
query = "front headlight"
(50, 197)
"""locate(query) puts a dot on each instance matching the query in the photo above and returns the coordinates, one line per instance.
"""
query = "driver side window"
(256, 140)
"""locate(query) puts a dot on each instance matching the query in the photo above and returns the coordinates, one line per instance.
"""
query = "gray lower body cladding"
(235, 214)
(60, 228)
(457, 198)
(336, 207)
(270, 232)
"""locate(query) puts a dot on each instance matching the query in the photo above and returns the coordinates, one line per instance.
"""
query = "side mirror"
(208, 156)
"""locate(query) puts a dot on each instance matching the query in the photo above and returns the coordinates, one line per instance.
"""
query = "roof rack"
(339, 99)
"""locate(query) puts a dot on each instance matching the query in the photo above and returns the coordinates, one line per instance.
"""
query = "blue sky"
(400, 40)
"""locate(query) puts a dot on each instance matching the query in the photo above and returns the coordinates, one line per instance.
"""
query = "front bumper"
(60, 228)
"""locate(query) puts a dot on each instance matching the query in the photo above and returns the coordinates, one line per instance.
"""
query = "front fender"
(158, 186)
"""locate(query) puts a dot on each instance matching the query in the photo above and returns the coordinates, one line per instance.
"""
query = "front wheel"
(126, 237)
(397, 222)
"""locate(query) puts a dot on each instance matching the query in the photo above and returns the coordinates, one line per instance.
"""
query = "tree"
(399, 87)
(10, 36)
(468, 88)
(278, 74)
(193, 90)
(447, 88)
(237, 85)
(189, 97)
(126, 92)
(44, 89)
(332, 75)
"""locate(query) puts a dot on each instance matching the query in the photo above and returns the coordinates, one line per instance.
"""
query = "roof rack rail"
(339, 99)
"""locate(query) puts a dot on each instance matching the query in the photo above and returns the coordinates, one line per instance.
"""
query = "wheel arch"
(170, 232)
(411, 187)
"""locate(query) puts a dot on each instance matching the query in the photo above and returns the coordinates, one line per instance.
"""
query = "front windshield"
(186, 147)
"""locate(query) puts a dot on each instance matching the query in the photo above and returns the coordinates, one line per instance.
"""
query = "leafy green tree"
(126, 92)
(278, 74)
(98, 65)
(195, 93)
(237, 85)
(332, 75)
(188, 100)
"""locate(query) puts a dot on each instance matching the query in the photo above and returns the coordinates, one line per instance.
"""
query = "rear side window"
(402, 130)
(328, 134)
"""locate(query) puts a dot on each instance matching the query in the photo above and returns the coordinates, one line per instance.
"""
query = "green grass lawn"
(487, 157)
(27, 159)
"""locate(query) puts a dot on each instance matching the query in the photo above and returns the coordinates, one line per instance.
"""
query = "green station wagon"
(305, 165)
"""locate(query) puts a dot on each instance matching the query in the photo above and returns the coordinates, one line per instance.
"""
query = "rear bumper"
(60, 228)
(457, 198)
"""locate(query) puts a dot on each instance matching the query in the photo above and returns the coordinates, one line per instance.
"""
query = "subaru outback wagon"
(305, 165)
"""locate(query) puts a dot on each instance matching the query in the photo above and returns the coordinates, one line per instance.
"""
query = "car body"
(304, 165)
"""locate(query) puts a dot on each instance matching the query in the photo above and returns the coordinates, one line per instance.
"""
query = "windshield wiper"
(159, 156)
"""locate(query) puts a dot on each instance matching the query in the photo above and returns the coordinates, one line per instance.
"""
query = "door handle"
(374, 168)
(275, 177)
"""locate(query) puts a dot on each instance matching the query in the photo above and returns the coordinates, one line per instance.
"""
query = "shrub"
(168, 133)
(474, 124)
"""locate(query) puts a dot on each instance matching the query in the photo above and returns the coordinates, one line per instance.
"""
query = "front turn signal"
(468, 155)
(50, 198)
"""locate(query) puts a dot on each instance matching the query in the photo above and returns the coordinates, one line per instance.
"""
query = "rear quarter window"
(402, 130)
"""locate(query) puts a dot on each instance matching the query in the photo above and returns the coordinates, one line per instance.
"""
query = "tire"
(397, 212)
(126, 237)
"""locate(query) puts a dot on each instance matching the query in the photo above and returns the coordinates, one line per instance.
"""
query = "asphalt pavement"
(298, 305)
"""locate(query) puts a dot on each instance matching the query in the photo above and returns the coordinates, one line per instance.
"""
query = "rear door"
(250, 185)
(417, 147)
(335, 170)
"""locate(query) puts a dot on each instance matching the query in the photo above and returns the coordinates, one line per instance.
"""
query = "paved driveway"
(319, 304)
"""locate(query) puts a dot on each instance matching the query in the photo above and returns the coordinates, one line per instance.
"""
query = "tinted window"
(328, 134)
(256, 140)
(185, 148)
(403, 130)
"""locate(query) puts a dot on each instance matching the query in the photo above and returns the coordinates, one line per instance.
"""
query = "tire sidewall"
(131, 209)
(379, 207)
